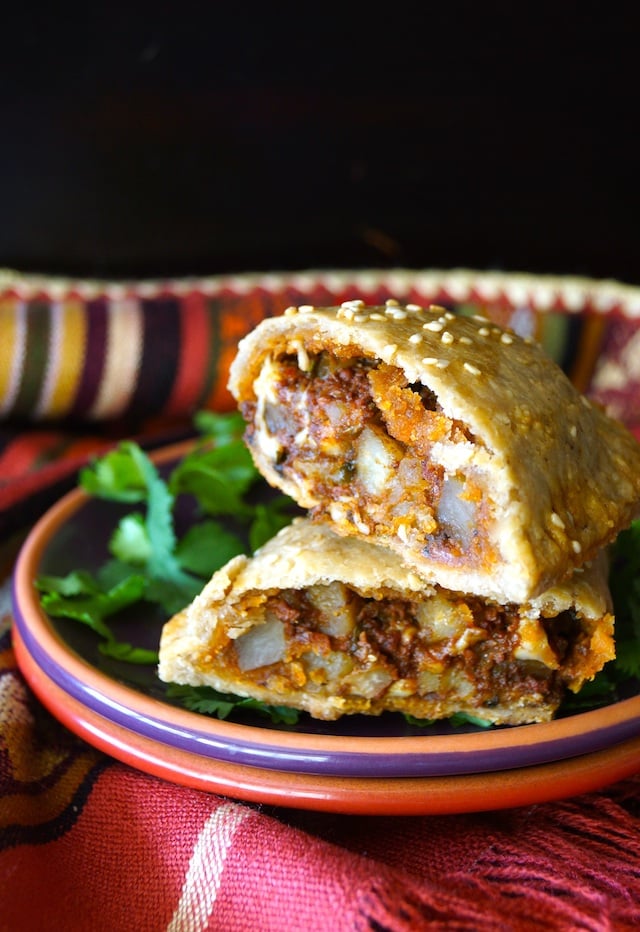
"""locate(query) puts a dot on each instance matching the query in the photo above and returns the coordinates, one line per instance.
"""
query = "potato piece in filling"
(369, 451)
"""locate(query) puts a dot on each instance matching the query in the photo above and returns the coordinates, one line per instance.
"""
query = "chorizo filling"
(427, 658)
(374, 454)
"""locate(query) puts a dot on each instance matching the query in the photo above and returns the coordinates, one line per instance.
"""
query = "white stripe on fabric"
(202, 882)
(122, 360)
(54, 356)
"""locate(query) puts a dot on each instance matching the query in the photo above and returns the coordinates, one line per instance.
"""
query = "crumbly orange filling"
(393, 653)
(359, 440)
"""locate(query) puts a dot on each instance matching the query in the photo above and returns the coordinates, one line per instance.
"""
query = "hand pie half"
(334, 625)
(461, 446)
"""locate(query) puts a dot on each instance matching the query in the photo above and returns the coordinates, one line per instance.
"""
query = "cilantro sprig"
(147, 559)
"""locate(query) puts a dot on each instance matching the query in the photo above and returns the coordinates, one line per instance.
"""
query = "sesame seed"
(415, 307)
(449, 316)
(306, 308)
(389, 350)
(360, 318)
(355, 303)
(471, 368)
(346, 312)
(447, 338)
(573, 431)
(376, 316)
(415, 338)
(396, 314)
(434, 325)
(557, 520)
(466, 340)
(290, 311)
(506, 338)
(576, 546)
(392, 302)
(480, 318)
(484, 331)
(434, 361)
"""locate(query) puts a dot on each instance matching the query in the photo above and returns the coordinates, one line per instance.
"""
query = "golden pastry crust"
(505, 477)
(335, 625)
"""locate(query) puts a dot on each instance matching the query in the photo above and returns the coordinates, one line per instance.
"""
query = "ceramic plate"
(358, 764)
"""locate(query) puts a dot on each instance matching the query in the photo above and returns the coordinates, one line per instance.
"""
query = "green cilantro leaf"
(209, 701)
(221, 428)
(206, 547)
(217, 477)
(80, 596)
(116, 476)
(268, 520)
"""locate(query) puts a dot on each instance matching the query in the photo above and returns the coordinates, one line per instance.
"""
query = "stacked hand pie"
(460, 496)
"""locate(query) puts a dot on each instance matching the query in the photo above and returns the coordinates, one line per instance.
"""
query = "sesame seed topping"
(415, 338)
(557, 520)
(376, 316)
(506, 338)
(396, 313)
(434, 361)
(390, 349)
(306, 308)
(480, 318)
(415, 307)
(466, 340)
(434, 325)
(360, 318)
(471, 368)
(576, 546)
(346, 313)
(484, 331)
(447, 337)
(354, 303)
(573, 431)
(392, 302)
(290, 311)
(449, 316)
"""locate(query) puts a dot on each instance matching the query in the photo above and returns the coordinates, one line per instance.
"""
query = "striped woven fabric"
(122, 359)
(95, 352)
(84, 364)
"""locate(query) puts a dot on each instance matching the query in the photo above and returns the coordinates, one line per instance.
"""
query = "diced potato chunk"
(337, 606)
(261, 646)
(377, 460)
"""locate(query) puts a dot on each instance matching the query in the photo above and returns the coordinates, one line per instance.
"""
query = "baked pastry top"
(459, 445)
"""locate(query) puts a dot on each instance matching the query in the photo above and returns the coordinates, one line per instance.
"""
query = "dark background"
(200, 139)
